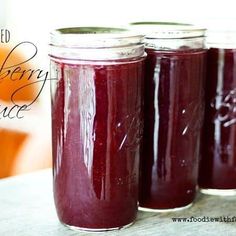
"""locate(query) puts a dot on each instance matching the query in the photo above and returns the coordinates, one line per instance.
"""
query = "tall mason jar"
(173, 114)
(218, 163)
(97, 98)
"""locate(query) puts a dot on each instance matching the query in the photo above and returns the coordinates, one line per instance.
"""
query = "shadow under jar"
(218, 158)
(173, 114)
(96, 88)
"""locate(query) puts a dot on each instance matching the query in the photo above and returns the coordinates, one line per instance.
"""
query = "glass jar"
(173, 114)
(218, 163)
(96, 88)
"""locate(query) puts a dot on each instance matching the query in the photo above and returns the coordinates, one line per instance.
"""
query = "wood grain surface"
(27, 209)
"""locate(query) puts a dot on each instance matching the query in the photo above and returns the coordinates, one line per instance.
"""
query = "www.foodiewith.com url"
(193, 219)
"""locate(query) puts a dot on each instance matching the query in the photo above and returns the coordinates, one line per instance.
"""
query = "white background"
(33, 20)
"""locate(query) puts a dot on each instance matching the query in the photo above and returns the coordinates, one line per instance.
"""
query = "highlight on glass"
(97, 105)
(173, 114)
(217, 173)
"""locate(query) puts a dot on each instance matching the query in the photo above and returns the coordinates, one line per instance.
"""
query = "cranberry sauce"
(218, 162)
(97, 129)
(174, 105)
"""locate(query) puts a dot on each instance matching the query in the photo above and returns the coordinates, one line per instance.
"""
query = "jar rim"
(94, 37)
(221, 38)
(96, 43)
(168, 30)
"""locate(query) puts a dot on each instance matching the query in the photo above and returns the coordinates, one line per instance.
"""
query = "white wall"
(35, 18)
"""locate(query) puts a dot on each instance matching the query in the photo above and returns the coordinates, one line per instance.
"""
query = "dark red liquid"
(97, 129)
(218, 162)
(174, 104)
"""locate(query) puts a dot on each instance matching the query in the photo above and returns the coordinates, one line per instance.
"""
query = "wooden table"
(27, 209)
